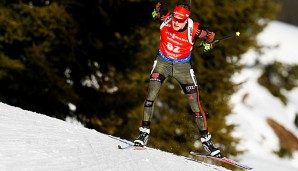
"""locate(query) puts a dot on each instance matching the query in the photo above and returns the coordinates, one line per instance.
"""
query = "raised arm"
(160, 13)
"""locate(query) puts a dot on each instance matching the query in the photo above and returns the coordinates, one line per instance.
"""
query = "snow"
(253, 104)
(35, 142)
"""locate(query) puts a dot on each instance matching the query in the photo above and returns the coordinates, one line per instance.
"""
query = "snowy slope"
(258, 138)
(35, 142)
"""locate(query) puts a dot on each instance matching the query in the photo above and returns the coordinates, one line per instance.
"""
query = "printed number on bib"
(173, 48)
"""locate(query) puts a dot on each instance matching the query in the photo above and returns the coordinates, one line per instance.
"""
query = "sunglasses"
(178, 20)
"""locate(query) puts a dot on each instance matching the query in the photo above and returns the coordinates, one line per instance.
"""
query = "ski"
(131, 147)
(221, 159)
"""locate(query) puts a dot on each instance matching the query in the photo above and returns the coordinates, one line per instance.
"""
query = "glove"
(154, 14)
(210, 37)
(160, 11)
(207, 46)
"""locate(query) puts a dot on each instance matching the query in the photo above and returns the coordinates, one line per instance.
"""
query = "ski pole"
(223, 38)
(226, 37)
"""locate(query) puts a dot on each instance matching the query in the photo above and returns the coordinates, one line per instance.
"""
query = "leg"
(189, 85)
(155, 83)
(192, 94)
(187, 80)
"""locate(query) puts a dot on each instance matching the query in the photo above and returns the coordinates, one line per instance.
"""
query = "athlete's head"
(180, 16)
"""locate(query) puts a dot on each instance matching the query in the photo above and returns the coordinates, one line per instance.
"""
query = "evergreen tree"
(36, 47)
(277, 77)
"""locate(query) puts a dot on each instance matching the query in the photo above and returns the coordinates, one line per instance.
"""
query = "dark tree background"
(97, 55)
(288, 12)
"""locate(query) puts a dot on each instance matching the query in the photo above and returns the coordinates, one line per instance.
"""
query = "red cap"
(181, 13)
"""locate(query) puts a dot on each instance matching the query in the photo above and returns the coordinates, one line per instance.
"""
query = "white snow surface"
(253, 104)
(34, 142)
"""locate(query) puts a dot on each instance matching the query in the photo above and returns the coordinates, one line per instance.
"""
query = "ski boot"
(209, 146)
(143, 134)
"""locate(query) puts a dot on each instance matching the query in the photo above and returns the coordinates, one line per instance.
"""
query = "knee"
(155, 76)
(189, 88)
(148, 103)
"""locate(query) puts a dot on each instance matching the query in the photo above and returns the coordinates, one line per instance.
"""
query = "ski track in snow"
(35, 142)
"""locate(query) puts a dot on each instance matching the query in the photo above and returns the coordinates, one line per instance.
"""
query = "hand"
(210, 37)
(160, 11)
(154, 14)
(207, 46)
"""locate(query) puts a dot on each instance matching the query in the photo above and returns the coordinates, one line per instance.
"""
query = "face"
(178, 24)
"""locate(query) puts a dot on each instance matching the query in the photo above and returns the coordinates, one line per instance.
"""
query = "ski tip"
(119, 147)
